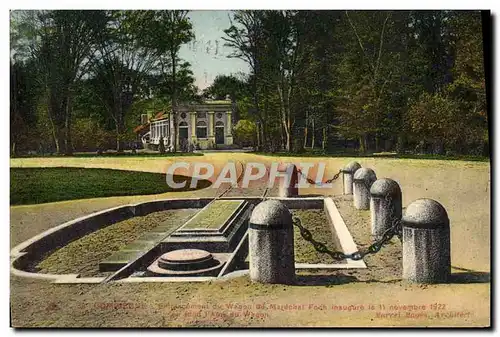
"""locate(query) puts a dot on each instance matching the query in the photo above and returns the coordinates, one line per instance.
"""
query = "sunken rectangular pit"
(133, 249)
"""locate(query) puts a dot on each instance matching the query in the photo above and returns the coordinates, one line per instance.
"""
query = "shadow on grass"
(469, 276)
(466, 277)
(375, 155)
(324, 280)
(311, 195)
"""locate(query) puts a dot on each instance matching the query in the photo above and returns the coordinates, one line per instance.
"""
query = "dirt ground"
(372, 297)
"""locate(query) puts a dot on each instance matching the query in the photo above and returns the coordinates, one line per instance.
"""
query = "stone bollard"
(270, 240)
(288, 190)
(348, 174)
(363, 180)
(385, 204)
(426, 242)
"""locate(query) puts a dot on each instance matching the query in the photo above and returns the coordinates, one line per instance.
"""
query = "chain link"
(375, 247)
(320, 183)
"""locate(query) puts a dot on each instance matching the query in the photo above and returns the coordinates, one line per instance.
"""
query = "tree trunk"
(67, 129)
(59, 140)
(323, 142)
(400, 145)
(362, 143)
(119, 141)
(56, 112)
(258, 136)
(173, 55)
(313, 134)
(288, 143)
(305, 131)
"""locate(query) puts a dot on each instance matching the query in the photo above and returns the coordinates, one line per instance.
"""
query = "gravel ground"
(316, 222)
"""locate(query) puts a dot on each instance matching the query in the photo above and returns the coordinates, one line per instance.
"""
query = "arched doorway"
(183, 136)
(219, 133)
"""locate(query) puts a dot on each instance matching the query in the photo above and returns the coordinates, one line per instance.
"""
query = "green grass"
(112, 154)
(214, 215)
(41, 185)
(347, 154)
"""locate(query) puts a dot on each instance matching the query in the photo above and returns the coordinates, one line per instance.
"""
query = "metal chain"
(375, 247)
(395, 222)
(312, 182)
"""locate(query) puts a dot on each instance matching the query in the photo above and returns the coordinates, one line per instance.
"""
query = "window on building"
(163, 127)
(201, 129)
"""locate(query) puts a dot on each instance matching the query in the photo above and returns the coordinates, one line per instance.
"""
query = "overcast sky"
(207, 53)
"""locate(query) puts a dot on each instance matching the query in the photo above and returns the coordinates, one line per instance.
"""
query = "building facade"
(199, 126)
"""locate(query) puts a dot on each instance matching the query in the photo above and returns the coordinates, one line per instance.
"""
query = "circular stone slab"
(186, 260)
(186, 256)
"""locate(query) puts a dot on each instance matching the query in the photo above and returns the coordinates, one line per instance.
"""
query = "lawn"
(41, 185)
(113, 154)
(214, 215)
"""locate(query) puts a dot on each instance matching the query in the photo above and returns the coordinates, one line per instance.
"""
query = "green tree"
(165, 32)
(63, 45)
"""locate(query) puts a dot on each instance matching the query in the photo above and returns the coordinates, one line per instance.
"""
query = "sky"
(207, 53)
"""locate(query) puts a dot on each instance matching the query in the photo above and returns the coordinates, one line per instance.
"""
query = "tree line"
(369, 81)
(365, 80)
(97, 68)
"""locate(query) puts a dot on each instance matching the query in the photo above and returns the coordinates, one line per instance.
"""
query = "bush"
(245, 133)
(89, 136)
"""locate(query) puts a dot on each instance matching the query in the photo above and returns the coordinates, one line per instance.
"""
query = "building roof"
(141, 128)
(207, 105)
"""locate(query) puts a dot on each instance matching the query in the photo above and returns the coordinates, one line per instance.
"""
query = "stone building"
(200, 126)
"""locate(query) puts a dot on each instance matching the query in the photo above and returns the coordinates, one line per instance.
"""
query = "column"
(229, 128)
(171, 130)
(193, 126)
(211, 129)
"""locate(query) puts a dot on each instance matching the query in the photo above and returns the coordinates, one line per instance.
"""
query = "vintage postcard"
(250, 168)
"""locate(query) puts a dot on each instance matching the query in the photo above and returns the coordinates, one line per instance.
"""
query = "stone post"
(348, 174)
(426, 242)
(363, 180)
(290, 174)
(385, 205)
(270, 239)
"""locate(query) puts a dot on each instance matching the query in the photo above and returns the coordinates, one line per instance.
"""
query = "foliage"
(365, 81)
(244, 132)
